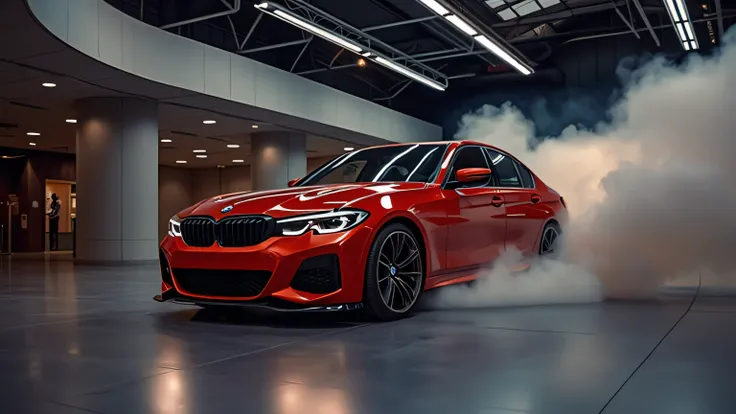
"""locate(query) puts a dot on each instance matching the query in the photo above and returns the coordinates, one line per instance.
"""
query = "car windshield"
(415, 163)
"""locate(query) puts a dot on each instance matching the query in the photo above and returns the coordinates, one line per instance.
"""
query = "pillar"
(117, 180)
(276, 158)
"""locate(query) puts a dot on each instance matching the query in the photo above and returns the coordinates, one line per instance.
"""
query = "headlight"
(321, 223)
(174, 227)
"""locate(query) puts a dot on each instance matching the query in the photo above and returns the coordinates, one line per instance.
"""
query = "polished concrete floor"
(77, 340)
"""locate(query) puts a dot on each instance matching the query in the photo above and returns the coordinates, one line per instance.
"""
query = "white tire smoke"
(650, 192)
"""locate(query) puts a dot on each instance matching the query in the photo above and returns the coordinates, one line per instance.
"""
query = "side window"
(505, 169)
(526, 177)
(468, 157)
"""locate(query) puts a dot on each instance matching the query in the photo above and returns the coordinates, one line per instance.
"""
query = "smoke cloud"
(650, 191)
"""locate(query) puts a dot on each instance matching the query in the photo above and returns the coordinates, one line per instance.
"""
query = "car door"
(476, 214)
(524, 213)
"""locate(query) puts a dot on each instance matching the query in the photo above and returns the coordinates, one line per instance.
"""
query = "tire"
(394, 271)
(545, 249)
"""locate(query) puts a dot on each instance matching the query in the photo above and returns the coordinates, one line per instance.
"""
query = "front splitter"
(174, 297)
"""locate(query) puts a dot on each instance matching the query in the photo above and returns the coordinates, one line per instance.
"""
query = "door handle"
(497, 201)
(536, 198)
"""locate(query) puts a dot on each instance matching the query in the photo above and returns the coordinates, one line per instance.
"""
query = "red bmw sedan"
(372, 229)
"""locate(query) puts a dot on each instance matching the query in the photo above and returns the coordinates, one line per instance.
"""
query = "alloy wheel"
(549, 238)
(399, 271)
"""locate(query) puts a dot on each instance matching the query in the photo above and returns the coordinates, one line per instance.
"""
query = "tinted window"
(505, 169)
(526, 177)
(468, 157)
(416, 163)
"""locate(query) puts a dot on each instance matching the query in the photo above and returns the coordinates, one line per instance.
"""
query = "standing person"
(53, 214)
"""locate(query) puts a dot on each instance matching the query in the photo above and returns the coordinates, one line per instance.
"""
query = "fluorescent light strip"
(460, 24)
(681, 31)
(409, 73)
(673, 12)
(682, 9)
(694, 45)
(435, 7)
(317, 31)
(686, 45)
(496, 50)
(689, 29)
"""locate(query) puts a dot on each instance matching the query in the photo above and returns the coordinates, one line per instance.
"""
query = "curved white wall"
(100, 31)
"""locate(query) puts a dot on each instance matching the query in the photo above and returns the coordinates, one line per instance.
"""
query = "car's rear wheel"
(394, 274)
(549, 244)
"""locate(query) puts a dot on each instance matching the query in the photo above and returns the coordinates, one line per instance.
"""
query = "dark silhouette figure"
(53, 214)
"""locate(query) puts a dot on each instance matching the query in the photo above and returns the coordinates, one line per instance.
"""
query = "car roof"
(458, 142)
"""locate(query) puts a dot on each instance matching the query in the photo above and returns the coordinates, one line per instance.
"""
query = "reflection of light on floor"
(314, 381)
(169, 392)
(300, 399)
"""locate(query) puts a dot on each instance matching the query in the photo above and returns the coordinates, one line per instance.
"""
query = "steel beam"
(719, 14)
(552, 17)
(646, 21)
(231, 10)
(276, 46)
(627, 22)
(250, 31)
(306, 45)
(401, 23)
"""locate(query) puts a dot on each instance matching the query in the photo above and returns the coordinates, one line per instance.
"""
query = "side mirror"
(291, 183)
(471, 175)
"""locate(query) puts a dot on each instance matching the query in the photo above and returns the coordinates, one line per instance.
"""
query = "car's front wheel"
(394, 274)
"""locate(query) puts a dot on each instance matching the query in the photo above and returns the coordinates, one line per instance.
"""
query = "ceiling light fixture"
(409, 73)
(233, 146)
(33, 144)
(309, 27)
(166, 141)
(181, 162)
(201, 156)
(286, 15)
(493, 46)
(71, 121)
(255, 126)
(199, 151)
(460, 24)
(435, 7)
(209, 121)
(238, 161)
(496, 50)
(349, 148)
(48, 85)
(681, 22)
(33, 134)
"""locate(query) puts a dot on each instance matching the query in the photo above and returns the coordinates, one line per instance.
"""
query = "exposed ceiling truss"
(416, 44)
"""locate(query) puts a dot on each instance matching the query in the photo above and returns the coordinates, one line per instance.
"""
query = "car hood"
(294, 201)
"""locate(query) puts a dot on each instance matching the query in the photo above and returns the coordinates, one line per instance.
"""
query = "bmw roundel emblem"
(393, 271)
(226, 209)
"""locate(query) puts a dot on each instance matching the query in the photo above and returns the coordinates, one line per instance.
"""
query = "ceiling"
(538, 29)
(27, 106)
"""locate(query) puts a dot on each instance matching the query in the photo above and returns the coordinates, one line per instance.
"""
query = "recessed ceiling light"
(348, 148)
(71, 121)
(255, 126)
(33, 134)
(166, 140)
(181, 162)
(233, 146)
(209, 121)
(33, 144)
(201, 156)
(238, 161)
(49, 84)
(199, 151)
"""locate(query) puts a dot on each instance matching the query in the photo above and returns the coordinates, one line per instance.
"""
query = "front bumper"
(276, 261)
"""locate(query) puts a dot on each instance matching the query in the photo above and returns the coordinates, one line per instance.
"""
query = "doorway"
(66, 191)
